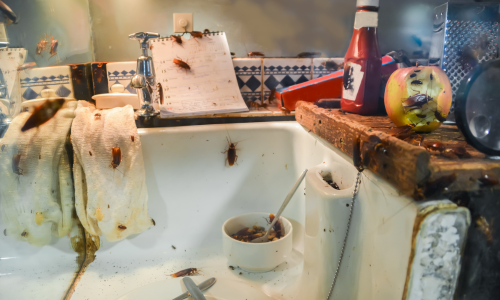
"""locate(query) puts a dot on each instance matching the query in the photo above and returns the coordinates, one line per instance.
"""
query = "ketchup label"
(352, 80)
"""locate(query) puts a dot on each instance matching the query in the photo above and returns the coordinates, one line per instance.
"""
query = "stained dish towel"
(36, 188)
(111, 194)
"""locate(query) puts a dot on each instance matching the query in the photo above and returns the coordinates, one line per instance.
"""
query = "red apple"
(418, 96)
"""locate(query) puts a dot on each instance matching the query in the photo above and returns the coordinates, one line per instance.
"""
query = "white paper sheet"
(210, 85)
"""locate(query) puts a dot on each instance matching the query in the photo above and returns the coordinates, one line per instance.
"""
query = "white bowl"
(251, 257)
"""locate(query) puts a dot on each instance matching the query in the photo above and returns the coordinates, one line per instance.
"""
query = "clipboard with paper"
(208, 86)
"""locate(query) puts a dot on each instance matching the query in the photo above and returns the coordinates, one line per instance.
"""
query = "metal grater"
(463, 35)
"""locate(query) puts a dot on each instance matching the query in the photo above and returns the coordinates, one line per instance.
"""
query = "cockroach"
(264, 105)
(488, 180)
(42, 113)
(196, 34)
(250, 54)
(53, 47)
(243, 232)
(421, 116)
(431, 77)
(26, 66)
(132, 138)
(309, 54)
(97, 116)
(5, 232)
(279, 229)
(177, 39)
(16, 159)
(25, 233)
(231, 267)
(356, 153)
(438, 185)
(330, 65)
(255, 105)
(461, 152)
(122, 227)
(401, 132)
(99, 72)
(231, 158)
(117, 157)
(206, 31)
(233, 54)
(181, 64)
(417, 100)
(413, 75)
(434, 146)
(186, 272)
(285, 110)
(439, 117)
(417, 82)
(271, 96)
(153, 221)
(173, 247)
(90, 153)
(271, 218)
(485, 228)
(41, 45)
(159, 88)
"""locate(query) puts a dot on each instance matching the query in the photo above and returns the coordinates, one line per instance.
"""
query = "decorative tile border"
(121, 73)
(284, 72)
(319, 68)
(33, 81)
(249, 76)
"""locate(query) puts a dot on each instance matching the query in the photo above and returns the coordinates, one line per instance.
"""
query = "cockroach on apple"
(181, 64)
(231, 157)
(116, 157)
(42, 113)
(186, 272)
(439, 117)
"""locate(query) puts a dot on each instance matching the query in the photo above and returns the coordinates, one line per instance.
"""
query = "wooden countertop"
(415, 171)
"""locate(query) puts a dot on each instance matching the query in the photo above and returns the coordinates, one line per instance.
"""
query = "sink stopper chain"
(356, 187)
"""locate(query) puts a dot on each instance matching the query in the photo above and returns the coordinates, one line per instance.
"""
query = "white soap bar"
(112, 100)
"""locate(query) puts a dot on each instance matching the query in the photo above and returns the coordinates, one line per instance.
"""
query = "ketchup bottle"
(362, 62)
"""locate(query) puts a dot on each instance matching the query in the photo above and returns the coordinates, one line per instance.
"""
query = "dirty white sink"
(192, 192)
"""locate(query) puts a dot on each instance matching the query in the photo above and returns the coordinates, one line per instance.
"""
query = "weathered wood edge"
(409, 168)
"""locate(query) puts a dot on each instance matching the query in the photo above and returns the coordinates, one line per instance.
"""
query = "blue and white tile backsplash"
(121, 73)
(284, 72)
(58, 78)
(249, 76)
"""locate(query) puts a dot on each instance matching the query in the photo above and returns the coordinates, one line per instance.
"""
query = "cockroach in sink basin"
(186, 272)
(231, 157)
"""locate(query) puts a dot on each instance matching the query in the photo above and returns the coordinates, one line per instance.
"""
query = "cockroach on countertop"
(488, 180)
(485, 228)
(309, 54)
(250, 54)
(117, 157)
(186, 272)
(231, 157)
(42, 113)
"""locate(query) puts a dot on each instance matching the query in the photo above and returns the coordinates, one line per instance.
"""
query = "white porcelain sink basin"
(192, 192)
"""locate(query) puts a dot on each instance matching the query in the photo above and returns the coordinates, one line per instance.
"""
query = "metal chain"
(356, 186)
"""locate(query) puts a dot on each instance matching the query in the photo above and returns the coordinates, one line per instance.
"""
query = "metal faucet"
(144, 78)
